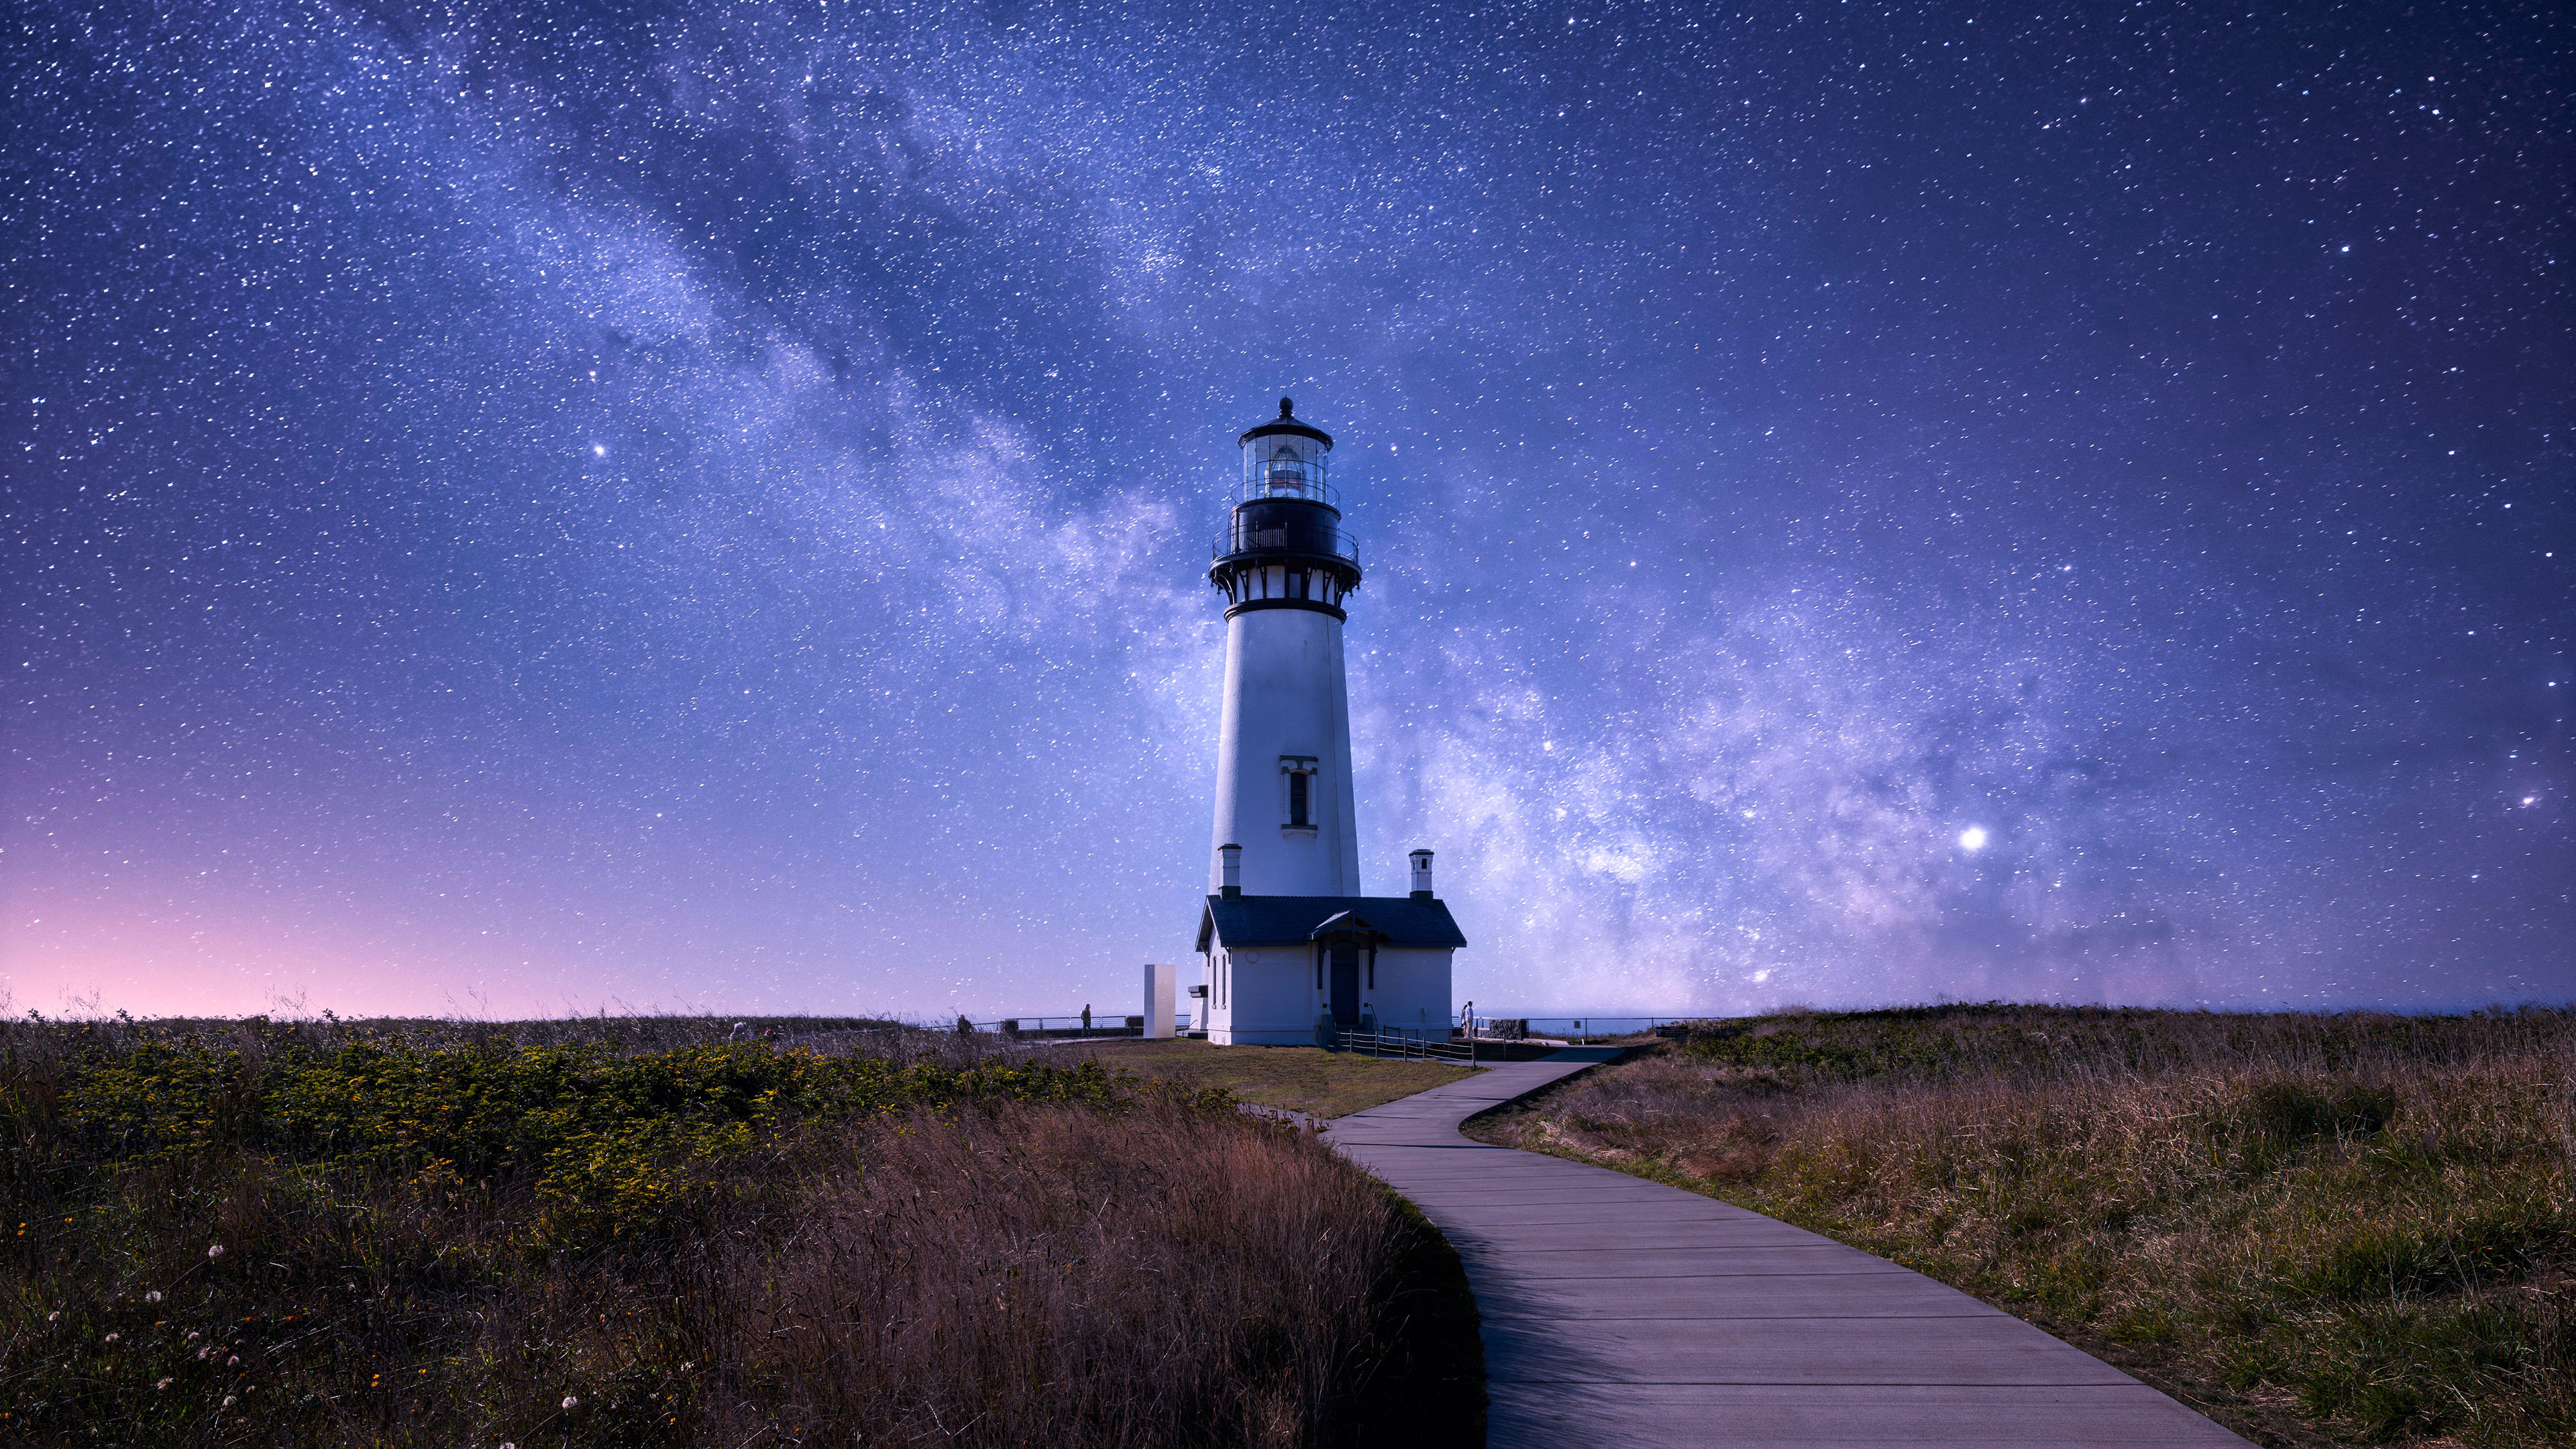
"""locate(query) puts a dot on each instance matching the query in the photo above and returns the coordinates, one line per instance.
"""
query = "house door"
(1346, 984)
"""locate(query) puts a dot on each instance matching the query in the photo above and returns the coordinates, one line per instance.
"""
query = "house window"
(1298, 788)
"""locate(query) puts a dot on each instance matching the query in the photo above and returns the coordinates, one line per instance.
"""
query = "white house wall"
(1274, 1000)
(1413, 988)
(1264, 995)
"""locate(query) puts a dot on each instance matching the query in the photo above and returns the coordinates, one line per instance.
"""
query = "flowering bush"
(607, 1141)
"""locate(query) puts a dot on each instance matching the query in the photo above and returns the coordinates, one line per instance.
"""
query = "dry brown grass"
(1039, 1275)
(2322, 1229)
(1299, 1079)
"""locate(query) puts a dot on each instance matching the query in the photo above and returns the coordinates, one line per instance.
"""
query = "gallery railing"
(1248, 535)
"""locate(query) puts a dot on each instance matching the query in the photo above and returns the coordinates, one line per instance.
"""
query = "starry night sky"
(706, 505)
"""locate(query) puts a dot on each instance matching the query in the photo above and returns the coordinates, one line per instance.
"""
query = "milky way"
(707, 505)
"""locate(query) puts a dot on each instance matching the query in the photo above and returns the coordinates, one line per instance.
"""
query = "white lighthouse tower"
(1292, 951)
(1283, 752)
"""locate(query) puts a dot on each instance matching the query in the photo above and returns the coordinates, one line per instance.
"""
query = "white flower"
(227, 1403)
(214, 1250)
(152, 1297)
(571, 1403)
(165, 1383)
(111, 1338)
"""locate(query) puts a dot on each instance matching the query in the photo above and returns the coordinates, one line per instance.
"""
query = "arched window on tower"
(1297, 795)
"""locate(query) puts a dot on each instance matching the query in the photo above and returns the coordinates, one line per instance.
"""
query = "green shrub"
(608, 1141)
(2284, 1114)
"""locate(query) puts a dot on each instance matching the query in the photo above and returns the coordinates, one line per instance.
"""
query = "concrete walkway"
(1623, 1312)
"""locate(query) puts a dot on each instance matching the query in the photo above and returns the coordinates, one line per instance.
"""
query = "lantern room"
(1285, 458)
(1283, 546)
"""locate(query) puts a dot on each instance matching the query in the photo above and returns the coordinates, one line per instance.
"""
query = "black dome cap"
(1286, 422)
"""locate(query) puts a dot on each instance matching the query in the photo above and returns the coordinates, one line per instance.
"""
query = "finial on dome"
(1287, 422)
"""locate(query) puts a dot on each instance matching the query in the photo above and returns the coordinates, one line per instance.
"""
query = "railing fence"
(1407, 1045)
(1484, 1028)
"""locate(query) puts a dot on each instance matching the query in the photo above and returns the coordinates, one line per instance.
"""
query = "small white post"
(1159, 980)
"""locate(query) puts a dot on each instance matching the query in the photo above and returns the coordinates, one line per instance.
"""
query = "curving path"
(1619, 1311)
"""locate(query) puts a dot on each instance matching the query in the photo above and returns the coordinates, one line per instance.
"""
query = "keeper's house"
(1290, 970)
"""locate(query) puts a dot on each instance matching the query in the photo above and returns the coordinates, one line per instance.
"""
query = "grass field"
(2350, 1229)
(1301, 1079)
(638, 1233)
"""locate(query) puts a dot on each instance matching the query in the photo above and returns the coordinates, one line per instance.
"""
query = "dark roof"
(1270, 920)
(1285, 423)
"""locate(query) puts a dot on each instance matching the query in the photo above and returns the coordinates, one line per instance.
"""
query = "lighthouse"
(1291, 950)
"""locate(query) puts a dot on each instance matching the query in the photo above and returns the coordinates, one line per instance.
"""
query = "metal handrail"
(1577, 1028)
(1103, 1024)
(1322, 542)
(1409, 1046)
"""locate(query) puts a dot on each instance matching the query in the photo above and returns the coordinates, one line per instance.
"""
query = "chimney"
(1232, 855)
(1421, 874)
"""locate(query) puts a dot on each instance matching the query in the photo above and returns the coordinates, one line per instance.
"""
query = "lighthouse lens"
(1286, 468)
